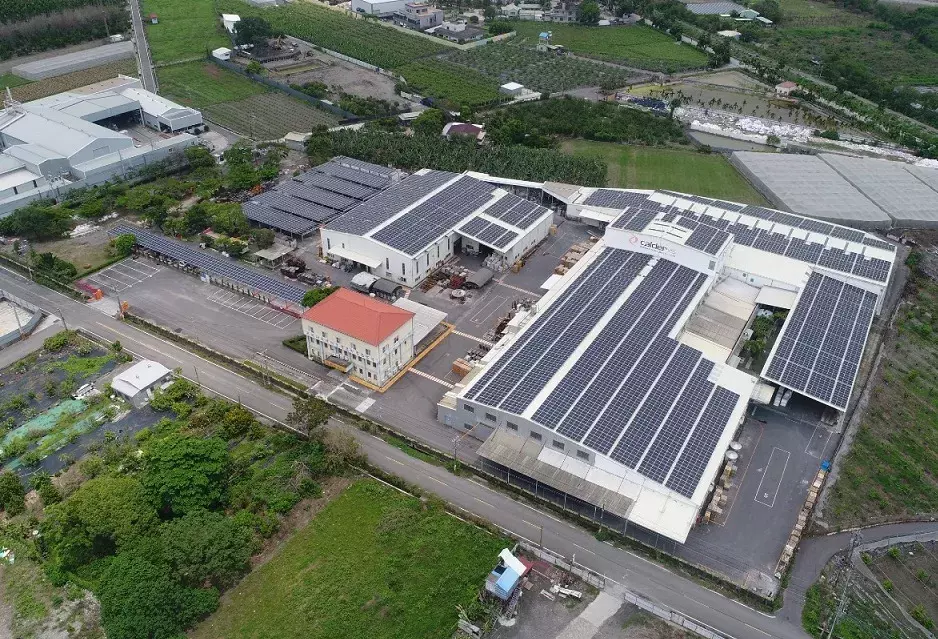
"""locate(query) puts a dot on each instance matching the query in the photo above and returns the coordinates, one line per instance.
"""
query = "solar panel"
(295, 206)
(871, 268)
(278, 219)
(354, 175)
(702, 236)
(519, 212)
(640, 220)
(474, 226)
(771, 242)
(316, 195)
(872, 241)
(336, 185)
(837, 259)
(367, 167)
(815, 226)
(208, 263)
(804, 251)
(612, 199)
(847, 234)
(821, 344)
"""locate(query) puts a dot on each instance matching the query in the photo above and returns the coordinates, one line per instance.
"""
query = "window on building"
(582, 454)
(403, 269)
(428, 259)
(557, 444)
(367, 351)
(536, 436)
(491, 417)
(328, 243)
(467, 426)
(387, 263)
(512, 426)
(469, 408)
(447, 245)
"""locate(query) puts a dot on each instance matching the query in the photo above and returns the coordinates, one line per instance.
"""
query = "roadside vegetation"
(24, 90)
(891, 471)
(27, 26)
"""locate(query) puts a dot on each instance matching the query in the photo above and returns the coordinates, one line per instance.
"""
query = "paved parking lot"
(119, 277)
(252, 308)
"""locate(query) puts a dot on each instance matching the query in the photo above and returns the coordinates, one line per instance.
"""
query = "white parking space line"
(774, 471)
(493, 303)
(254, 310)
(122, 275)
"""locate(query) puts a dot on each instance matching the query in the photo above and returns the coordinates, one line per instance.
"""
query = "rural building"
(420, 16)
(409, 229)
(511, 88)
(351, 332)
(464, 129)
(622, 388)
(222, 53)
(729, 34)
(136, 384)
(230, 21)
(72, 139)
(785, 88)
(379, 8)
(748, 15)
(458, 32)
(714, 8)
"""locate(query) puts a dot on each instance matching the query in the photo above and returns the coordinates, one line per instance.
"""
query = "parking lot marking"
(122, 275)
(762, 495)
(816, 436)
(365, 405)
(473, 337)
(479, 318)
(742, 478)
(430, 377)
(518, 288)
(254, 309)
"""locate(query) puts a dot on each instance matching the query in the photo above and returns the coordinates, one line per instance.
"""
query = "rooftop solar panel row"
(278, 219)
(209, 263)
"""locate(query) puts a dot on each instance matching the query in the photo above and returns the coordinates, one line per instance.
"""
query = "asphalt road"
(147, 76)
(636, 573)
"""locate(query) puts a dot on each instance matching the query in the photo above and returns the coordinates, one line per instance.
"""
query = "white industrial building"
(379, 8)
(138, 382)
(409, 229)
(623, 386)
(76, 138)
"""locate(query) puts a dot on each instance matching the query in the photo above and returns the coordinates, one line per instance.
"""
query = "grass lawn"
(10, 80)
(639, 167)
(892, 469)
(634, 45)
(186, 29)
(202, 84)
(374, 563)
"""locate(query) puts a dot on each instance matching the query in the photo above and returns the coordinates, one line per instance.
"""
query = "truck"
(369, 284)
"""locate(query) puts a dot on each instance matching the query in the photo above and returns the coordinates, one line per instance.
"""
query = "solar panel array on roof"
(388, 203)
(320, 194)
(609, 198)
(821, 345)
(488, 233)
(414, 230)
(516, 211)
(209, 263)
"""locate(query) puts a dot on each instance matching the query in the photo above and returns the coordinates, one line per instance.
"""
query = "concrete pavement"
(634, 572)
(144, 62)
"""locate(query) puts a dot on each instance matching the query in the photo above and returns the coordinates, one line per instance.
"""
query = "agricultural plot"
(186, 29)
(365, 40)
(401, 574)
(202, 84)
(891, 472)
(912, 569)
(26, 91)
(449, 82)
(544, 72)
(639, 167)
(268, 116)
(636, 45)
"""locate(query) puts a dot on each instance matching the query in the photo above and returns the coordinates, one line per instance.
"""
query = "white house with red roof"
(359, 335)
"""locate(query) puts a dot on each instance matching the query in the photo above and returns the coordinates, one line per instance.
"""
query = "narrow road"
(645, 577)
(145, 64)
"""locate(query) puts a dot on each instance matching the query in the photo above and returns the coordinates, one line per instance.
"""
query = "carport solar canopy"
(634, 394)
(209, 263)
(820, 347)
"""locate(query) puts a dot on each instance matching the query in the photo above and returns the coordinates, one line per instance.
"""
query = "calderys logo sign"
(648, 244)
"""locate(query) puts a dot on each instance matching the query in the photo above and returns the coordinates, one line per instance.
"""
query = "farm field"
(202, 84)
(544, 72)
(891, 471)
(449, 82)
(638, 46)
(268, 116)
(641, 167)
(374, 563)
(26, 91)
(365, 40)
(186, 29)
(913, 571)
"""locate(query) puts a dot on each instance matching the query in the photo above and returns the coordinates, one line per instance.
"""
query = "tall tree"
(253, 30)
(308, 415)
(589, 12)
(184, 473)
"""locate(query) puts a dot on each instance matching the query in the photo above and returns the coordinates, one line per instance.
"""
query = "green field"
(636, 45)
(365, 40)
(639, 167)
(374, 563)
(187, 29)
(202, 84)
(892, 469)
(450, 82)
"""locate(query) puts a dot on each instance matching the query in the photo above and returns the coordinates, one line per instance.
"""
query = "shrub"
(12, 494)
(887, 585)
(893, 552)
(58, 341)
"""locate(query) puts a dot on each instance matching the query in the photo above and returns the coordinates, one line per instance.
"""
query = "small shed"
(511, 88)
(387, 289)
(785, 88)
(729, 33)
(137, 382)
(502, 581)
(221, 53)
(273, 255)
(154, 19)
(480, 278)
(230, 20)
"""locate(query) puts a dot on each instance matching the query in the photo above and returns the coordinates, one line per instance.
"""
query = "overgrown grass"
(202, 84)
(186, 29)
(892, 469)
(687, 171)
(374, 563)
(402, 445)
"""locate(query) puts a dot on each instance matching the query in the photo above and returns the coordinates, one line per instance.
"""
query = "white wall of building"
(378, 7)
(375, 364)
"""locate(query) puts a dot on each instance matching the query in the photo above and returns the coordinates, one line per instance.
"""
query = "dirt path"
(6, 610)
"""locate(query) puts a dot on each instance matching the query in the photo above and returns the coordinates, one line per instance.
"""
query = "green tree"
(769, 9)
(184, 473)
(199, 157)
(263, 238)
(204, 547)
(253, 30)
(228, 219)
(47, 491)
(12, 494)
(124, 243)
(309, 414)
(140, 599)
(197, 218)
(102, 516)
(254, 68)
(38, 220)
(589, 12)
(430, 123)
(316, 295)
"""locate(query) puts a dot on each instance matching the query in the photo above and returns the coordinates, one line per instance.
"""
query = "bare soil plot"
(914, 576)
(337, 73)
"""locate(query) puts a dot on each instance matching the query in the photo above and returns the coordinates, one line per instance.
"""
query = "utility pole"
(842, 606)
(62, 315)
